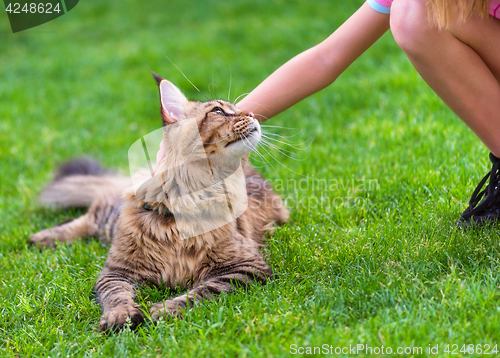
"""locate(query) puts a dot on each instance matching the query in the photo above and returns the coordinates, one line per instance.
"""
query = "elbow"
(324, 57)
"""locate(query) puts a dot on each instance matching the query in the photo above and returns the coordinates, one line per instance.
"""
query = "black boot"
(484, 205)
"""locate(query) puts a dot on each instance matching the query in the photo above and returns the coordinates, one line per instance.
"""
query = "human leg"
(462, 65)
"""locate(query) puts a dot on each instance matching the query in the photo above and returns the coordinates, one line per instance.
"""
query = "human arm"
(317, 67)
(314, 69)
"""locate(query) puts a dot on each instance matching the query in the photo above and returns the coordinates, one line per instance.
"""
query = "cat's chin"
(240, 148)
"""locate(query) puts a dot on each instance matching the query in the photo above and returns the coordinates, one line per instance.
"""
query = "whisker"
(255, 150)
(230, 135)
(214, 86)
(308, 142)
(235, 92)
(182, 73)
(213, 83)
(260, 158)
(230, 82)
(280, 135)
(293, 171)
(256, 105)
(198, 142)
(291, 155)
(227, 119)
(237, 98)
(260, 117)
(250, 146)
(269, 126)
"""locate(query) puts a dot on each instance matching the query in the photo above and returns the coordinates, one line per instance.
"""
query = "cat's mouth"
(242, 136)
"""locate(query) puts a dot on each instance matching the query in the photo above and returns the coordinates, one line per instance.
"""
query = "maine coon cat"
(188, 225)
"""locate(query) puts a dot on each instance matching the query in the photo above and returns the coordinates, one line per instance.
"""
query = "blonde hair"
(445, 13)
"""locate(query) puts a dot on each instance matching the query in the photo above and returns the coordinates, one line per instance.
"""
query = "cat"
(187, 226)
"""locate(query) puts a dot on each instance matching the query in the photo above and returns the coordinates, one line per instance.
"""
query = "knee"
(410, 25)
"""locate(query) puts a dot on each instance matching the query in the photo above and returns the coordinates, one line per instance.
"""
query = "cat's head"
(221, 128)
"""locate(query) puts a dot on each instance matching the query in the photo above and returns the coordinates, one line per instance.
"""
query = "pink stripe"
(386, 3)
(495, 8)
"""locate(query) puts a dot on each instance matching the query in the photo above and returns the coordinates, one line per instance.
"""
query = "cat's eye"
(218, 110)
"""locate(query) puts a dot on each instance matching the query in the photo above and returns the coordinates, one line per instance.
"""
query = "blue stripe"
(377, 7)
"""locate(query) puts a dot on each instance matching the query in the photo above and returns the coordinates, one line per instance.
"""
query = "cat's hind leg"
(101, 220)
(67, 231)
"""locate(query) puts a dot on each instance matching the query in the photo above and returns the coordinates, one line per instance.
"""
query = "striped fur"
(145, 244)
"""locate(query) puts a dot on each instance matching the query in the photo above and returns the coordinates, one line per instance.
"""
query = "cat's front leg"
(166, 309)
(115, 292)
(225, 279)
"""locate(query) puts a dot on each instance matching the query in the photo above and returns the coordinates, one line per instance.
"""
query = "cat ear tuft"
(172, 101)
(157, 77)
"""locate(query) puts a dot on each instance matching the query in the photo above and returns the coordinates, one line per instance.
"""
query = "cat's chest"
(180, 265)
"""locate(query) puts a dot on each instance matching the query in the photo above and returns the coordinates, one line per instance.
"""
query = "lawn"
(377, 171)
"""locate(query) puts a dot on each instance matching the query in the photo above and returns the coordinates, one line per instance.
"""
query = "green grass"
(391, 270)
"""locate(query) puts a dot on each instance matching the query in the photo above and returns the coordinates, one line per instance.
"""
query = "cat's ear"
(172, 101)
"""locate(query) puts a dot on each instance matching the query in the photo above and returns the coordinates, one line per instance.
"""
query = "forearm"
(317, 67)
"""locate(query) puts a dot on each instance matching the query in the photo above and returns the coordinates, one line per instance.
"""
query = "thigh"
(483, 36)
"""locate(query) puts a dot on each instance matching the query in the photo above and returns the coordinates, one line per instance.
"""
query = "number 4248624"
(471, 349)
(33, 8)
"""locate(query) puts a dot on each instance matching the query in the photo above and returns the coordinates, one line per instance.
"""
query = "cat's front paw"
(166, 309)
(44, 238)
(115, 319)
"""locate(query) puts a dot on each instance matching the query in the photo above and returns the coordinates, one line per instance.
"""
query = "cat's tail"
(79, 182)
